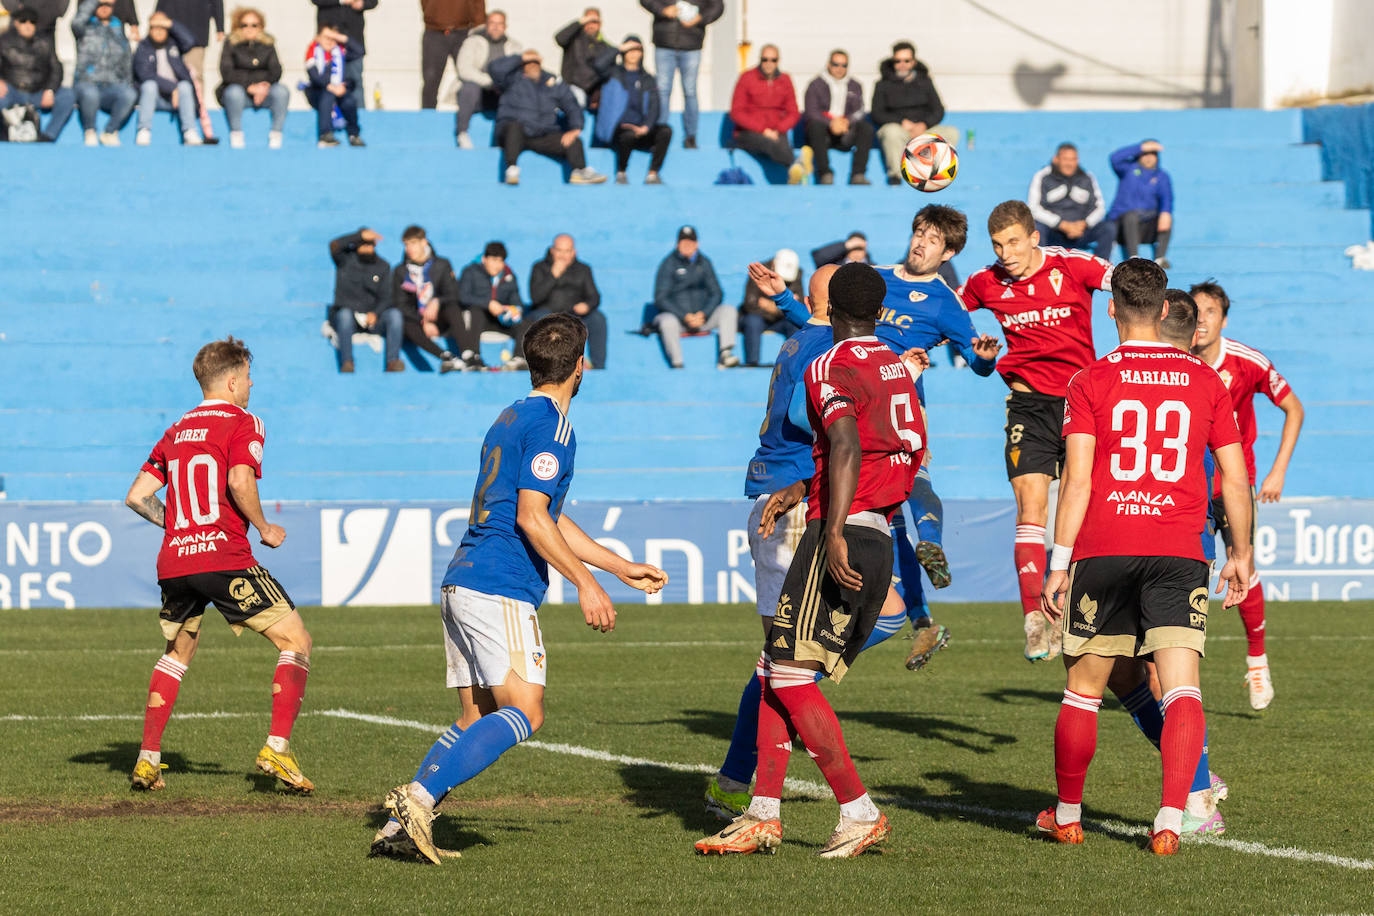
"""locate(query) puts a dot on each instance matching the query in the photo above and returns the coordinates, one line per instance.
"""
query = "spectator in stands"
(330, 87)
(852, 249)
(628, 117)
(476, 90)
(196, 16)
(687, 300)
(559, 282)
(679, 32)
(489, 292)
(1143, 209)
(164, 83)
(250, 74)
(361, 300)
(424, 292)
(905, 105)
(104, 71)
(582, 42)
(758, 312)
(50, 11)
(30, 73)
(447, 23)
(346, 18)
(834, 118)
(764, 109)
(538, 112)
(1068, 206)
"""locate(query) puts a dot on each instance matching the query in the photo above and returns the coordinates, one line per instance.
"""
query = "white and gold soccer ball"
(929, 163)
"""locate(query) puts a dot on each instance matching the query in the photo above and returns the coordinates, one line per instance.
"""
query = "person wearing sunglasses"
(764, 111)
(250, 74)
(834, 118)
(905, 105)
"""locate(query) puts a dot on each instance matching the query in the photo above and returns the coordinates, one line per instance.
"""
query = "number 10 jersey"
(1154, 411)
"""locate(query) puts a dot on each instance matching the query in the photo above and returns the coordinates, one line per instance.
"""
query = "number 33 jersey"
(862, 378)
(204, 530)
(1154, 411)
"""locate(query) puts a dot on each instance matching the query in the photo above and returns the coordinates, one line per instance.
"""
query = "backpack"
(733, 175)
(20, 123)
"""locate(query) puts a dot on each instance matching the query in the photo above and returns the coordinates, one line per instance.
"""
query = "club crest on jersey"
(917, 296)
(1225, 377)
(1056, 280)
(1087, 609)
(255, 449)
(544, 466)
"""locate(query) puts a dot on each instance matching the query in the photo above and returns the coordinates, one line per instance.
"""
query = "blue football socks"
(478, 747)
(884, 629)
(1149, 718)
(908, 573)
(743, 754)
(927, 509)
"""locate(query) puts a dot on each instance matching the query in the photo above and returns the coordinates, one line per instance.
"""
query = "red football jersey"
(1247, 373)
(1047, 317)
(1154, 411)
(863, 379)
(205, 531)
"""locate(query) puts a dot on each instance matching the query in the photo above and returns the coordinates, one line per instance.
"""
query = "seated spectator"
(538, 112)
(764, 110)
(852, 249)
(164, 83)
(476, 89)
(196, 16)
(30, 73)
(582, 42)
(687, 301)
(1143, 209)
(559, 282)
(628, 117)
(330, 87)
(1068, 207)
(758, 312)
(104, 71)
(361, 302)
(347, 18)
(250, 75)
(905, 105)
(835, 119)
(424, 292)
(490, 294)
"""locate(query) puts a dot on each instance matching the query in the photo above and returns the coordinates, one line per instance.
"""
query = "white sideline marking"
(127, 717)
(816, 790)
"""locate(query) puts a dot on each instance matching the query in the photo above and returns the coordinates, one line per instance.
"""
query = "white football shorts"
(773, 555)
(487, 636)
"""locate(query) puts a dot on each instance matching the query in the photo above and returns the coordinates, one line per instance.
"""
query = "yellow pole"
(744, 44)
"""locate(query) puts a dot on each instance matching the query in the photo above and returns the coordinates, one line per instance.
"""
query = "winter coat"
(560, 294)
(179, 41)
(449, 15)
(914, 99)
(578, 54)
(476, 289)
(477, 52)
(48, 12)
(244, 61)
(440, 275)
(817, 107)
(533, 104)
(360, 283)
(102, 51)
(1145, 189)
(682, 286)
(347, 20)
(672, 34)
(622, 91)
(29, 66)
(195, 15)
(760, 103)
(1056, 198)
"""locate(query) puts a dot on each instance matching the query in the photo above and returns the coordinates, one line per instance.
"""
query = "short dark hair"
(413, 232)
(950, 223)
(1138, 286)
(25, 14)
(494, 250)
(1010, 213)
(219, 357)
(903, 46)
(831, 56)
(552, 347)
(1210, 287)
(1180, 324)
(857, 291)
(1063, 146)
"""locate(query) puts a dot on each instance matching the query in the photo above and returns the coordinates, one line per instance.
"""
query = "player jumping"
(210, 461)
(497, 578)
(861, 401)
(1043, 299)
(1128, 546)
(1247, 373)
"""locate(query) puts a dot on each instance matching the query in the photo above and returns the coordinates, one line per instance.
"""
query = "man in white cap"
(757, 311)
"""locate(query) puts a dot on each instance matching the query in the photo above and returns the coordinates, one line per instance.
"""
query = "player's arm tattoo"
(151, 508)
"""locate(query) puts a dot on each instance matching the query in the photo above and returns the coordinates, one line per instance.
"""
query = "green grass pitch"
(959, 756)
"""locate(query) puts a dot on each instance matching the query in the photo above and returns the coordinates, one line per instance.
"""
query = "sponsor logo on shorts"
(544, 466)
(242, 591)
(1087, 609)
(784, 613)
(780, 642)
(839, 620)
(1198, 601)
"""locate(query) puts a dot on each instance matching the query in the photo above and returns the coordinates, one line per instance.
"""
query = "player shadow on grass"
(450, 830)
(660, 792)
(967, 737)
(1017, 696)
(713, 723)
(120, 756)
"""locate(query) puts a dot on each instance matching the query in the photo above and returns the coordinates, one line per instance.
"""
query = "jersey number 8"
(1134, 445)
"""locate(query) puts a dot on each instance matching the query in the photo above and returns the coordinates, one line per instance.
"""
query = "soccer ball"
(929, 163)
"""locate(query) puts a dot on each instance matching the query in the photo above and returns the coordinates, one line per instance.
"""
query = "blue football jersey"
(923, 313)
(529, 447)
(784, 452)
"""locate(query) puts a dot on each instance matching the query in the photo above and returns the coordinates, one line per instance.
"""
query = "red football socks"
(815, 722)
(288, 689)
(1029, 554)
(1180, 746)
(1075, 742)
(162, 696)
(1252, 615)
(775, 745)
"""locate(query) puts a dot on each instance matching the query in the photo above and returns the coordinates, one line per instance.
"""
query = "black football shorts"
(1223, 524)
(246, 597)
(1134, 605)
(1035, 434)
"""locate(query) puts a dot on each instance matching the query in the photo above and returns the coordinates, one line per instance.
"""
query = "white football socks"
(764, 808)
(860, 809)
(1065, 813)
(1170, 819)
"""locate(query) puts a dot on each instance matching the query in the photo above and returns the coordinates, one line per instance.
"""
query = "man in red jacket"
(764, 109)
